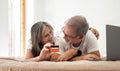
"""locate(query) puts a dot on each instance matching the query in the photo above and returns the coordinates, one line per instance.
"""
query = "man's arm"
(70, 53)
(90, 56)
(67, 55)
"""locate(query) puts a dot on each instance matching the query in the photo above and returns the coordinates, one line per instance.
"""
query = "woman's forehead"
(46, 30)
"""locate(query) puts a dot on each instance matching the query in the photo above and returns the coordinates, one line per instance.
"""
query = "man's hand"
(67, 55)
(54, 56)
(91, 57)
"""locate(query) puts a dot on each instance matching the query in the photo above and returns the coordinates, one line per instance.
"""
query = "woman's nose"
(51, 35)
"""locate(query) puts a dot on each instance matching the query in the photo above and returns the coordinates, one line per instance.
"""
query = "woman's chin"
(51, 41)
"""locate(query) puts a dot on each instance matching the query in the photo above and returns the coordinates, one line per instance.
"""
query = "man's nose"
(65, 38)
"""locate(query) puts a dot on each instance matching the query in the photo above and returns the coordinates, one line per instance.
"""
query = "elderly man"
(80, 43)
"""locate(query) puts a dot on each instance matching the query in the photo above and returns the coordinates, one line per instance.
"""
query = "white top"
(56, 40)
(89, 44)
(29, 45)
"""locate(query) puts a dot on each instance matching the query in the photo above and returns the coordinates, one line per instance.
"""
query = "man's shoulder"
(90, 36)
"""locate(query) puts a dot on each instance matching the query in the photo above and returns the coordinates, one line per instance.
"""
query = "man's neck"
(77, 44)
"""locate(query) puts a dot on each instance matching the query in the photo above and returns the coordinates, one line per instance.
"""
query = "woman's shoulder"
(29, 44)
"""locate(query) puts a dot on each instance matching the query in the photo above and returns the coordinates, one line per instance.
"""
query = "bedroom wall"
(98, 13)
(4, 40)
(10, 28)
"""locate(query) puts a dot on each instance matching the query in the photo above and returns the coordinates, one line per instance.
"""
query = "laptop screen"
(113, 42)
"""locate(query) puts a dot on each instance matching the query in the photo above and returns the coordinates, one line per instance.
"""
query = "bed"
(17, 64)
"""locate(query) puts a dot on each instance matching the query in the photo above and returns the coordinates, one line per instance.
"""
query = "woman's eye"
(46, 35)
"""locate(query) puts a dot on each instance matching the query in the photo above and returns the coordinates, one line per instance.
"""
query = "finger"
(46, 49)
(60, 58)
(51, 53)
(65, 59)
(95, 57)
(48, 45)
(97, 36)
(90, 58)
(98, 58)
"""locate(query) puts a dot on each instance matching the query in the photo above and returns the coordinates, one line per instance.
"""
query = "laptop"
(113, 42)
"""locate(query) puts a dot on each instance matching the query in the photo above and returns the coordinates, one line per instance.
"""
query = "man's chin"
(68, 42)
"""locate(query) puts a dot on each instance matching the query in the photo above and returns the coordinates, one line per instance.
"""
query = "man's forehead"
(69, 30)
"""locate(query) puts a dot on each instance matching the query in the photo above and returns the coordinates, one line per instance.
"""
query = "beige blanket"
(17, 64)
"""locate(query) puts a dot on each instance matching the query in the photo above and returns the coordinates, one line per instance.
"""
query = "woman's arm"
(95, 32)
(44, 54)
(29, 56)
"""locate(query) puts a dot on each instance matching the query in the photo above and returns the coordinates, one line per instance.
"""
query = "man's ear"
(81, 36)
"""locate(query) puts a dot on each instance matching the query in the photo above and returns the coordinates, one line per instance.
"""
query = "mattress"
(18, 64)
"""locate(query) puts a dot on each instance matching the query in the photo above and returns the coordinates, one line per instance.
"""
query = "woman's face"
(47, 35)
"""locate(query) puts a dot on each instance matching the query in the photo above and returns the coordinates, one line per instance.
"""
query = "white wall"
(14, 27)
(4, 40)
(29, 18)
(98, 13)
(10, 28)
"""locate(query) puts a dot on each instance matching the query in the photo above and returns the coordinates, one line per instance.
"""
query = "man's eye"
(50, 32)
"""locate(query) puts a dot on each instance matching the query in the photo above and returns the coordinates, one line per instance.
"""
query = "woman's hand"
(95, 32)
(45, 52)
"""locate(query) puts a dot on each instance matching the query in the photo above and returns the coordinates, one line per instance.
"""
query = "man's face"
(70, 35)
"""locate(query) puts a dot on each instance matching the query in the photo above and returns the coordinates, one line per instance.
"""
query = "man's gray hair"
(79, 23)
